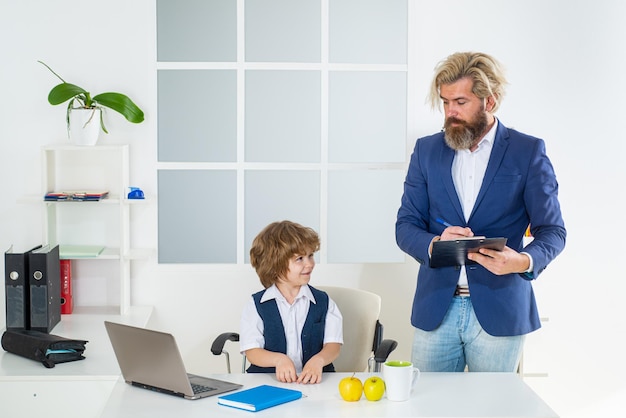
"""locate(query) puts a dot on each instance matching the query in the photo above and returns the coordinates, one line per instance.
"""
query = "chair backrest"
(360, 310)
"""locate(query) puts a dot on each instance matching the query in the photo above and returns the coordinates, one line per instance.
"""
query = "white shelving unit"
(30, 388)
(102, 223)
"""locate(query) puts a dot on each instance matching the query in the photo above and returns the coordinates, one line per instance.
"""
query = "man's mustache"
(450, 121)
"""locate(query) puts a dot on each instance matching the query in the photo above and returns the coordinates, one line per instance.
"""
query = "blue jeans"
(460, 341)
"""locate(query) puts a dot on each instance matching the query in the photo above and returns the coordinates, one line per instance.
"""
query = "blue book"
(259, 397)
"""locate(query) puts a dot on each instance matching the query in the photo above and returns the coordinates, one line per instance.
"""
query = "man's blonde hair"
(276, 244)
(486, 73)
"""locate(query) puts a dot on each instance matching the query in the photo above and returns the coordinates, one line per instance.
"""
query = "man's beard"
(465, 134)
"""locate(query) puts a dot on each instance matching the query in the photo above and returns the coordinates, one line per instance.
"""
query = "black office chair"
(364, 348)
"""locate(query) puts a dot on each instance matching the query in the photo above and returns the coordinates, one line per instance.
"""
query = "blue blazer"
(519, 189)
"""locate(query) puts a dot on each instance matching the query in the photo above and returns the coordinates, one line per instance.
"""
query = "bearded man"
(477, 177)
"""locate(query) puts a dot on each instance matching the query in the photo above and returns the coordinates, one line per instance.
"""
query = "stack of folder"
(81, 196)
(33, 288)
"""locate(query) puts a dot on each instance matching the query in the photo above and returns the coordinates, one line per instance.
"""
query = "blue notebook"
(259, 397)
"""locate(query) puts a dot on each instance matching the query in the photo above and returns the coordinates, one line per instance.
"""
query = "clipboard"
(454, 252)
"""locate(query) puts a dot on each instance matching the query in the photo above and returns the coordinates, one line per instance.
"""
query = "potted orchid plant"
(84, 114)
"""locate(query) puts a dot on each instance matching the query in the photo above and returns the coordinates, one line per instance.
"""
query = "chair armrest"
(384, 349)
(378, 335)
(218, 344)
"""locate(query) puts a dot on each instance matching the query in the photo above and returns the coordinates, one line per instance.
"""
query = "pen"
(442, 222)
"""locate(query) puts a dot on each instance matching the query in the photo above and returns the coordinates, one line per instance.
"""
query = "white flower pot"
(84, 126)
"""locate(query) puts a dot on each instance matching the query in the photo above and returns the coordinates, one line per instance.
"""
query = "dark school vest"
(274, 332)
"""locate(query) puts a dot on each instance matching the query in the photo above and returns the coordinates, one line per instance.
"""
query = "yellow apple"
(350, 388)
(374, 388)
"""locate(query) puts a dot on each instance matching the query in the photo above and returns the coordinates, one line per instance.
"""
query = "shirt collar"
(272, 292)
(490, 136)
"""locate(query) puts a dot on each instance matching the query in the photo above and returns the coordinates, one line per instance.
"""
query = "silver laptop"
(151, 360)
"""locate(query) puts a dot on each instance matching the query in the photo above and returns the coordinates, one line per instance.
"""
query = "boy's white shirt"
(293, 317)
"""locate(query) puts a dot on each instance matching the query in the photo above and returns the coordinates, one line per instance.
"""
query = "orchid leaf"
(65, 91)
(122, 104)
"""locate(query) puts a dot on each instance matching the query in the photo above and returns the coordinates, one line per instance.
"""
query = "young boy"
(289, 328)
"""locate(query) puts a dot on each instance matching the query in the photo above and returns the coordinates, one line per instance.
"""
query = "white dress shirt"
(293, 317)
(468, 172)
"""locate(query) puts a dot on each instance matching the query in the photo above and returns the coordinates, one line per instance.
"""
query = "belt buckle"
(462, 291)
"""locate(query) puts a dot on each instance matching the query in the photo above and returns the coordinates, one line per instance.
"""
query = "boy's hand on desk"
(312, 371)
(285, 370)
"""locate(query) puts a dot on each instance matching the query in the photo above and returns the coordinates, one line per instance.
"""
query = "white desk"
(435, 395)
(75, 389)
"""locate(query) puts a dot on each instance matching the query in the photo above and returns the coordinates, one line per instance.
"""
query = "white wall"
(566, 66)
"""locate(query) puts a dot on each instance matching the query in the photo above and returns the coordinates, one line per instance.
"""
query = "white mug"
(399, 377)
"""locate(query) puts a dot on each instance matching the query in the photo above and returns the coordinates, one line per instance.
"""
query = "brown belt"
(462, 291)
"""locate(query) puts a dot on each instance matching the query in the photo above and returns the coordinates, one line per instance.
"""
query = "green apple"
(350, 388)
(374, 388)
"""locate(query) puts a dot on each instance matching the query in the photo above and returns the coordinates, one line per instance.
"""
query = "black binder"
(16, 286)
(45, 288)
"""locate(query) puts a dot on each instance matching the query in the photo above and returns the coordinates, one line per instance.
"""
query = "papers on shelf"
(81, 196)
(80, 251)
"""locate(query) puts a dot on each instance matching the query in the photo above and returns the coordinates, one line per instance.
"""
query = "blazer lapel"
(447, 157)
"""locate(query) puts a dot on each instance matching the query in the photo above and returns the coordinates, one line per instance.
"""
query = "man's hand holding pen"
(454, 232)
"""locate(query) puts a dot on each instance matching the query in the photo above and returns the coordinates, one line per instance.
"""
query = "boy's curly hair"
(276, 244)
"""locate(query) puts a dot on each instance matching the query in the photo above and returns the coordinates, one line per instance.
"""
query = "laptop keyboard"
(201, 388)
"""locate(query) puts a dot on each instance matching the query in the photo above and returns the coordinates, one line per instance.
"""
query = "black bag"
(46, 348)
